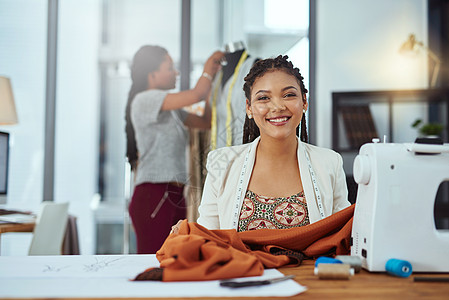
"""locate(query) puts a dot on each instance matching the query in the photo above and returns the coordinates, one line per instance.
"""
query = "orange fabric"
(331, 234)
(196, 253)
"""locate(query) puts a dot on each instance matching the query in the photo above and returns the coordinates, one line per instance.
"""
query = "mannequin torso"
(232, 60)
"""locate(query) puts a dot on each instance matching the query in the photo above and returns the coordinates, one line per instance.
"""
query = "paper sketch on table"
(49, 268)
(104, 266)
(98, 265)
(108, 276)
(101, 264)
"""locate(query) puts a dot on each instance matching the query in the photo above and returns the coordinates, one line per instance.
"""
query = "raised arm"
(203, 122)
(201, 89)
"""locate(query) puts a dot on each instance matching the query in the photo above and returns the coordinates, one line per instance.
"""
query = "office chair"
(50, 228)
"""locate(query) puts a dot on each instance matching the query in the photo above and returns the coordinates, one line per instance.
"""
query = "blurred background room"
(68, 65)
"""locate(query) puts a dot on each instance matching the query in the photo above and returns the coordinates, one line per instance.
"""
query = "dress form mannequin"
(228, 99)
(234, 51)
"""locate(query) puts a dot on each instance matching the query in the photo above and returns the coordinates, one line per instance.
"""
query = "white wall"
(23, 30)
(77, 113)
(357, 50)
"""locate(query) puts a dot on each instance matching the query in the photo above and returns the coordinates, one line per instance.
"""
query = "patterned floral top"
(259, 212)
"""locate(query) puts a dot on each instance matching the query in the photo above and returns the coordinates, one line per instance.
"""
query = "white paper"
(90, 276)
(18, 218)
(76, 266)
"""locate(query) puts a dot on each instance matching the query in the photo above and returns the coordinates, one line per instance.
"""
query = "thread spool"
(334, 271)
(354, 261)
(326, 260)
(398, 267)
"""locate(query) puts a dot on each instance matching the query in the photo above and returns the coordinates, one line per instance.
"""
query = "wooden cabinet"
(357, 117)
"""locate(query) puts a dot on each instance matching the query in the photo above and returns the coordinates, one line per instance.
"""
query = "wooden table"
(366, 285)
(16, 227)
(363, 285)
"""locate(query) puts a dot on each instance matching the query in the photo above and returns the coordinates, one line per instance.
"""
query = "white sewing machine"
(394, 212)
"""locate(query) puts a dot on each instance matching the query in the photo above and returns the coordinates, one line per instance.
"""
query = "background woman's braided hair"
(250, 129)
(146, 60)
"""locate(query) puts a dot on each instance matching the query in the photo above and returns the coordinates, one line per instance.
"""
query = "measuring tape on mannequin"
(238, 197)
(213, 128)
(228, 105)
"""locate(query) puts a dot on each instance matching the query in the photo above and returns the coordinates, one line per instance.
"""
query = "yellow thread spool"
(334, 271)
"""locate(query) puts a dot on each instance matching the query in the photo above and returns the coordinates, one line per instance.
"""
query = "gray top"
(161, 139)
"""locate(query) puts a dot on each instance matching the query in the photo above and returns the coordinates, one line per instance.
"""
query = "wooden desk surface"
(366, 285)
(16, 227)
(363, 285)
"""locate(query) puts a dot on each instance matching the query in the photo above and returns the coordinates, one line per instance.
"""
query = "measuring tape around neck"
(315, 186)
(238, 196)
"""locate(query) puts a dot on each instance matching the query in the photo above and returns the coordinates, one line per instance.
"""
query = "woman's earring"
(250, 116)
(303, 111)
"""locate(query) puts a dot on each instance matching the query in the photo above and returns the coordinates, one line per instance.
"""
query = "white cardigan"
(229, 171)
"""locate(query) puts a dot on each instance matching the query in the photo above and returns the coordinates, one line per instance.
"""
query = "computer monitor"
(4, 153)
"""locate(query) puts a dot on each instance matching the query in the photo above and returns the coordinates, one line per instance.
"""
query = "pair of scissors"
(238, 284)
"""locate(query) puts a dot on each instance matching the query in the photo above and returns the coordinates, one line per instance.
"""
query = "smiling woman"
(277, 104)
(275, 179)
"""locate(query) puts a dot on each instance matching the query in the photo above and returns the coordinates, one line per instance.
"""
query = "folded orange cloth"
(196, 253)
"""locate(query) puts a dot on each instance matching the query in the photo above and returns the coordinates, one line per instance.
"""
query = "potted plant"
(429, 129)
(430, 132)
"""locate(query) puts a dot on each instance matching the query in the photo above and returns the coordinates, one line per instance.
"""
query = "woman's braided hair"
(250, 129)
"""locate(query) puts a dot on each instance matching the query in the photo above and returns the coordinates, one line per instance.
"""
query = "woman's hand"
(201, 89)
(213, 63)
(175, 228)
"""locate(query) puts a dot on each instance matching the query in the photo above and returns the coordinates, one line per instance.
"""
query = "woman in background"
(275, 179)
(157, 140)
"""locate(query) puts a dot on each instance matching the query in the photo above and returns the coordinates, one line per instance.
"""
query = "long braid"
(250, 129)
(131, 147)
(304, 136)
(146, 60)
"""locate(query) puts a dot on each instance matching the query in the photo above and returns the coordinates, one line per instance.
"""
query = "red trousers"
(154, 209)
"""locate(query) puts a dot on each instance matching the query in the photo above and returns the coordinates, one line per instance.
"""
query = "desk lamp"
(411, 44)
(8, 115)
